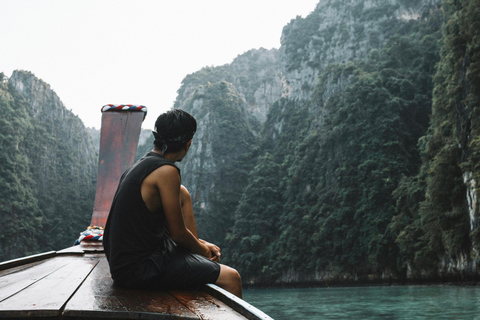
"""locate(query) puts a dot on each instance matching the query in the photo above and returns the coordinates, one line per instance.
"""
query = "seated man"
(150, 237)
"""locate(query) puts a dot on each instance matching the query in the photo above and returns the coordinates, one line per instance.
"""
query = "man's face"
(185, 151)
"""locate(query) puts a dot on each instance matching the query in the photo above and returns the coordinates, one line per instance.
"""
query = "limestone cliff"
(334, 33)
(48, 109)
(351, 65)
(215, 170)
(338, 31)
(230, 103)
(49, 169)
(256, 77)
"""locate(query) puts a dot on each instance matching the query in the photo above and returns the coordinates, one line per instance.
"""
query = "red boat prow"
(118, 146)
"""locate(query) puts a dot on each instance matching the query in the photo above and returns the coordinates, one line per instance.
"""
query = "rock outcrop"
(49, 168)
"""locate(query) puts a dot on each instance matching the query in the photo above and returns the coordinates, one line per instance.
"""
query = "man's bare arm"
(189, 219)
(168, 183)
(187, 210)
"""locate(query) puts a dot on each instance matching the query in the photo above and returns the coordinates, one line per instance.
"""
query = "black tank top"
(132, 233)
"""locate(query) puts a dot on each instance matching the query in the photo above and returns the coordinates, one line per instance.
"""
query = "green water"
(396, 302)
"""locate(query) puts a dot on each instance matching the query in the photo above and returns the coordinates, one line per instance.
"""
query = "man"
(150, 237)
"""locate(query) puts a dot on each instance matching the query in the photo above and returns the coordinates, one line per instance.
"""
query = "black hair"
(173, 129)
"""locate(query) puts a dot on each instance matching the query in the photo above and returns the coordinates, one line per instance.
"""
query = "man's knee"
(234, 276)
(229, 274)
(230, 280)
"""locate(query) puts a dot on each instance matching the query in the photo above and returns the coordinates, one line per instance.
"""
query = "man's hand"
(215, 250)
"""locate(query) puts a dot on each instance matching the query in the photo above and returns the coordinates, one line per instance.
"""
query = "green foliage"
(331, 199)
(366, 143)
(309, 40)
(437, 224)
(19, 210)
(297, 35)
(219, 181)
(47, 172)
(255, 232)
(204, 77)
(384, 10)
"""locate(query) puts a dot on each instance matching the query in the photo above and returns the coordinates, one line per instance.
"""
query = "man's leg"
(229, 278)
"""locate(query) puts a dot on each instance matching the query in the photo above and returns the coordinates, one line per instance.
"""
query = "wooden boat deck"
(75, 283)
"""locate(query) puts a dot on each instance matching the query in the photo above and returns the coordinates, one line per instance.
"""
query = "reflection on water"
(396, 302)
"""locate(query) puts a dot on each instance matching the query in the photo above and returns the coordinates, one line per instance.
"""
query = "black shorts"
(176, 269)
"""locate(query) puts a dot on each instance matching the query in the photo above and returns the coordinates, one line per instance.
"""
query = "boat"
(75, 282)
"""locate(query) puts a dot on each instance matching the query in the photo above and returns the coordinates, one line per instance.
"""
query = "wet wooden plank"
(83, 247)
(24, 260)
(13, 281)
(47, 296)
(19, 268)
(74, 250)
(154, 304)
(205, 306)
(98, 298)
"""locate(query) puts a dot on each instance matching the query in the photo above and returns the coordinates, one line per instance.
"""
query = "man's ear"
(187, 146)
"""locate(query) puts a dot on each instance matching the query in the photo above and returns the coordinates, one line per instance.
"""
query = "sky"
(98, 52)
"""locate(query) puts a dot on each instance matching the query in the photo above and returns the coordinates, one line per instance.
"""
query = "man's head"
(173, 129)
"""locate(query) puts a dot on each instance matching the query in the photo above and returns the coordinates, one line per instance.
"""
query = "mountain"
(318, 161)
(48, 169)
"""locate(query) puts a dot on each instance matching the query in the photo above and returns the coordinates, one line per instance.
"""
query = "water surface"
(388, 302)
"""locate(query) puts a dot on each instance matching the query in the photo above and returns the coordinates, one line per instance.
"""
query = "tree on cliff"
(433, 219)
(19, 211)
(216, 182)
(331, 154)
(48, 169)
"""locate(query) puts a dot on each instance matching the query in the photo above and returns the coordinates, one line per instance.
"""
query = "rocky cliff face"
(256, 77)
(215, 169)
(56, 185)
(259, 80)
(339, 31)
(230, 103)
(60, 124)
(334, 33)
(348, 61)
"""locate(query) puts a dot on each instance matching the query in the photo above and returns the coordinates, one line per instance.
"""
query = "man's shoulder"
(148, 166)
(165, 171)
(165, 178)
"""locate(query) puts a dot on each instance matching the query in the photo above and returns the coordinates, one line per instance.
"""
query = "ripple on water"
(395, 302)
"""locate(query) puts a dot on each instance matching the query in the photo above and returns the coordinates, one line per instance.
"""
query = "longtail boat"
(75, 283)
